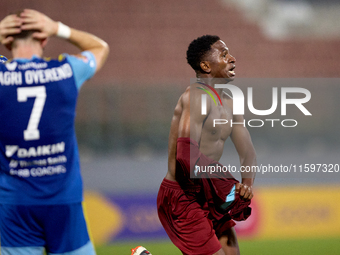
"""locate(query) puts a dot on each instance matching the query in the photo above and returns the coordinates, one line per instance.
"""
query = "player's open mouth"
(231, 71)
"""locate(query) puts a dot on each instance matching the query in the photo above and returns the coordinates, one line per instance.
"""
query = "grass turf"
(261, 247)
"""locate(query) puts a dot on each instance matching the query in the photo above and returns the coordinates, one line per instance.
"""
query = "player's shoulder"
(192, 93)
(227, 99)
(85, 59)
(198, 89)
(62, 58)
(195, 90)
(3, 59)
(186, 92)
(184, 98)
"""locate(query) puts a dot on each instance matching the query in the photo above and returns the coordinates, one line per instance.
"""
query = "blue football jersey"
(3, 59)
(39, 161)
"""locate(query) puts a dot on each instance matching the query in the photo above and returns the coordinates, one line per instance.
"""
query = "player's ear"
(205, 66)
(9, 46)
(43, 42)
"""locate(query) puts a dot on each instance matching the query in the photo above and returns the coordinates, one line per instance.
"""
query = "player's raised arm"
(46, 27)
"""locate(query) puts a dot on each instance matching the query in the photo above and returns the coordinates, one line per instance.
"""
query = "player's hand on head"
(34, 20)
(10, 25)
(245, 191)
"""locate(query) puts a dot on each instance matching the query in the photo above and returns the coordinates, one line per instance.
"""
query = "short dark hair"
(198, 49)
(24, 33)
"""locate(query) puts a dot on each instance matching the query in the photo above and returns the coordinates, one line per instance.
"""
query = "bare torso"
(211, 139)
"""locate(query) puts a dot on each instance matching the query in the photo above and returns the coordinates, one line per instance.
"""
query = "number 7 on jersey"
(39, 92)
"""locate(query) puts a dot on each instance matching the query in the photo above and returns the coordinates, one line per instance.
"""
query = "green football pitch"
(269, 247)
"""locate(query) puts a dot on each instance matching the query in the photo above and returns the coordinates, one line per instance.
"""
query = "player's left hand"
(245, 191)
(34, 20)
(10, 25)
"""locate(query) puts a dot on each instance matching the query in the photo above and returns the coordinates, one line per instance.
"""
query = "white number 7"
(39, 92)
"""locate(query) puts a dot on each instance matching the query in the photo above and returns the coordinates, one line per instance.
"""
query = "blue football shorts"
(31, 229)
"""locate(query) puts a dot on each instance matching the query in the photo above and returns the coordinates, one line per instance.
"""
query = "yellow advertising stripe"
(299, 212)
(104, 219)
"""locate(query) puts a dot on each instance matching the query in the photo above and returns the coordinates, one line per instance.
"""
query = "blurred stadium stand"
(149, 39)
(286, 19)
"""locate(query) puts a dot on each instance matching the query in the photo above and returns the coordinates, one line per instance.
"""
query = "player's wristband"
(63, 31)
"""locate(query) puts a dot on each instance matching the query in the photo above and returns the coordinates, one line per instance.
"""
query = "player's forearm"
(248, 180)
(88, 42)
(248, 164)
(83, 40)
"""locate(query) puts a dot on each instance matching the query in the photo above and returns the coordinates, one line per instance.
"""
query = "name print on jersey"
(8, 78)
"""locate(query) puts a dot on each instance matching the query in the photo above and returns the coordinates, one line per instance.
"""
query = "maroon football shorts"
(186, 219)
